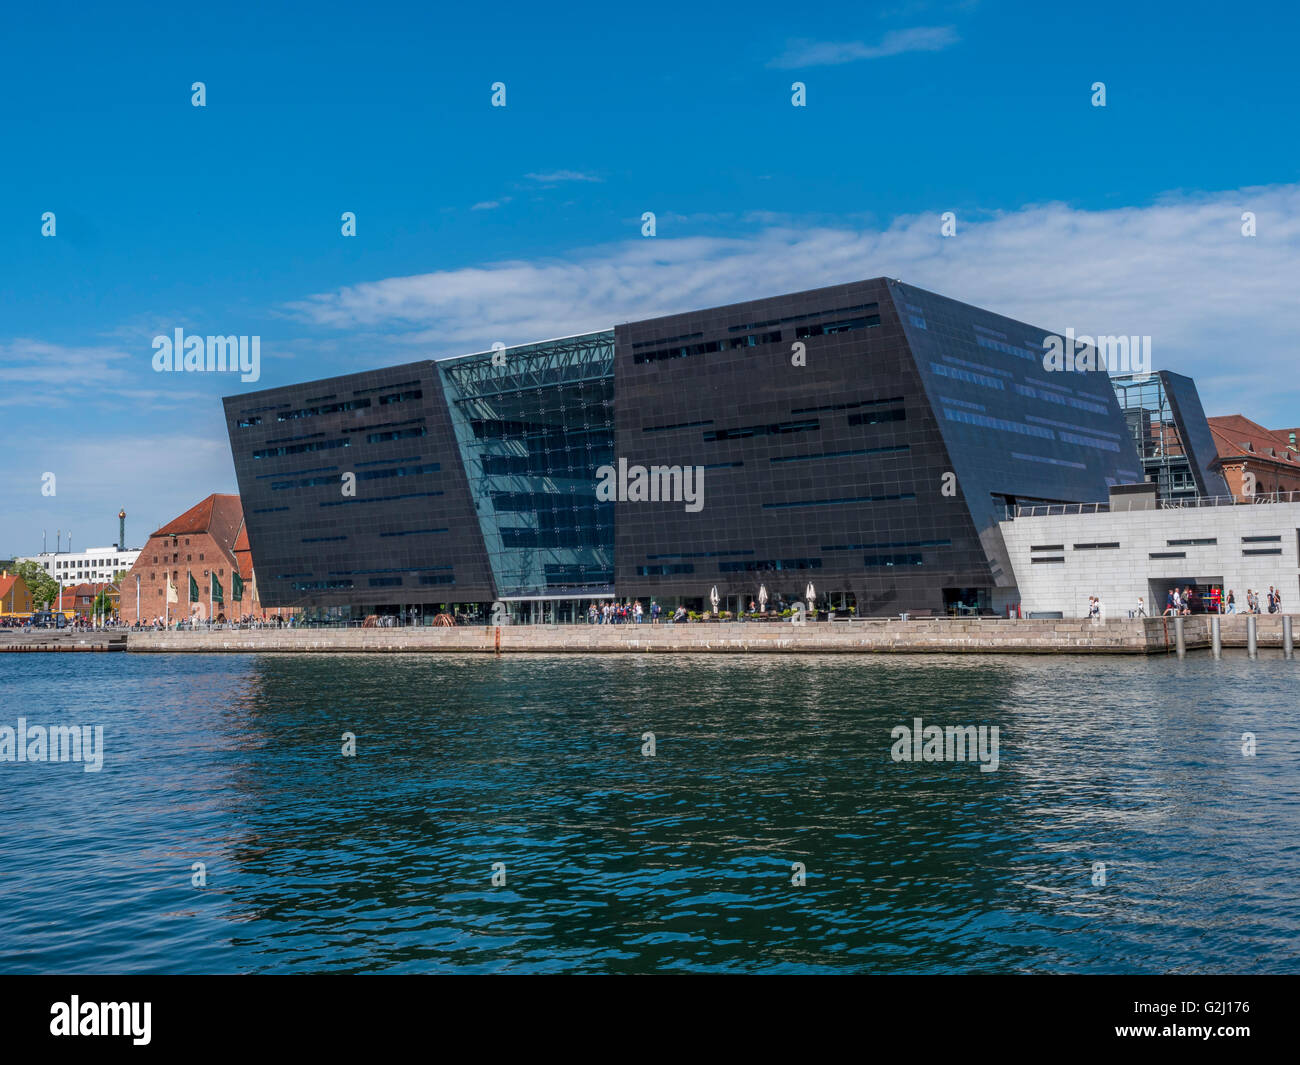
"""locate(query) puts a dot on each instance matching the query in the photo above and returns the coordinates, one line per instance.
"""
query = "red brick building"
(1246, 447)
(207, 539)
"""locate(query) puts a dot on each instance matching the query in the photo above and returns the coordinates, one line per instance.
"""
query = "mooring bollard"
(1216, 637)
(1288, 646)
(1252, 644)
(1180, 644)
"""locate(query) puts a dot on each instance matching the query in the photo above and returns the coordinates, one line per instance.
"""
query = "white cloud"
(555, 176)
(1214, 302)
(104, 376)
(805, 53)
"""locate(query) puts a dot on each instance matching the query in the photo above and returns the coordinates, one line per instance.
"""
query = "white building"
(92, 564)
(1063, 554)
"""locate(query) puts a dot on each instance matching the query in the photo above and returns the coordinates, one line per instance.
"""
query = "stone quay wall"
(915, 636)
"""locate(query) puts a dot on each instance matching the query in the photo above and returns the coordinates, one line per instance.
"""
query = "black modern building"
(865, 438)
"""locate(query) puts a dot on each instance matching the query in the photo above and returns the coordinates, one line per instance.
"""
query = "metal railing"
(1230, 501)
(1054, 509)
(1196, 502)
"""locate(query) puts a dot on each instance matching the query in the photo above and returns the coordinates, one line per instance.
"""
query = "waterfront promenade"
(41, 640)
(885, 635)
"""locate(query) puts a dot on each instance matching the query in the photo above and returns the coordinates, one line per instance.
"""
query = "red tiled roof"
(1236, 436)
(211, 515)
(220, 516)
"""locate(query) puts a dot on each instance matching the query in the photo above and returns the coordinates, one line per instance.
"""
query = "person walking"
(1141, 608)
(1272, 601)
(1232, 602)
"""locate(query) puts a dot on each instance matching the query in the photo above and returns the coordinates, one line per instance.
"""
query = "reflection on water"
(615, 861)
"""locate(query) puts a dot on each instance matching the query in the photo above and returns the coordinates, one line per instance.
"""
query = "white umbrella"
(713, 598)
(810, 593)
(762, 597)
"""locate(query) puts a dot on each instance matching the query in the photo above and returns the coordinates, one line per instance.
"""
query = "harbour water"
(616, 860)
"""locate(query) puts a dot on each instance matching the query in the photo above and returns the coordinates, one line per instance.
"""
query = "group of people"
(1186, 601)
(1182, 602)
(626, 613)
(1253, 601)
(247, 621)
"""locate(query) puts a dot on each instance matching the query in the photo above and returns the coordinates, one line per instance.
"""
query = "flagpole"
(211, 577)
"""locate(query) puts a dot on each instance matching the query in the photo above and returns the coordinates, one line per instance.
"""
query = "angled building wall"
(409, 534)
(1014, 431)
(821, 462)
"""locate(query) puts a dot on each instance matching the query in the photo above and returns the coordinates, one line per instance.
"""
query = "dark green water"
(618, 862)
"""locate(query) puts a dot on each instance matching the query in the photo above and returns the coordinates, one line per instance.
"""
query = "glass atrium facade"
(533, 424)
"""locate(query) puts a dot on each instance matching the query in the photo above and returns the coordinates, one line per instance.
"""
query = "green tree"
(44, 588)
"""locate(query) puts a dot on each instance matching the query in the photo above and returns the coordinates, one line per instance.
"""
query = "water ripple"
(618, 862)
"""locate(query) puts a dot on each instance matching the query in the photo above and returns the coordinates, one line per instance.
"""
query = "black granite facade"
(1016, 432)
(409, 534)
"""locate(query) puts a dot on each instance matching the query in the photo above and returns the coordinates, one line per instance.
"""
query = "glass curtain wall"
(1151, 419)
(533, 424)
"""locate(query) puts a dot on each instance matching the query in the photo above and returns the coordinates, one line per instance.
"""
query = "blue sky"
(477, 224)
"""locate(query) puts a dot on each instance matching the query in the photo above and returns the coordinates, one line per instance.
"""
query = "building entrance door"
(1203, 587)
